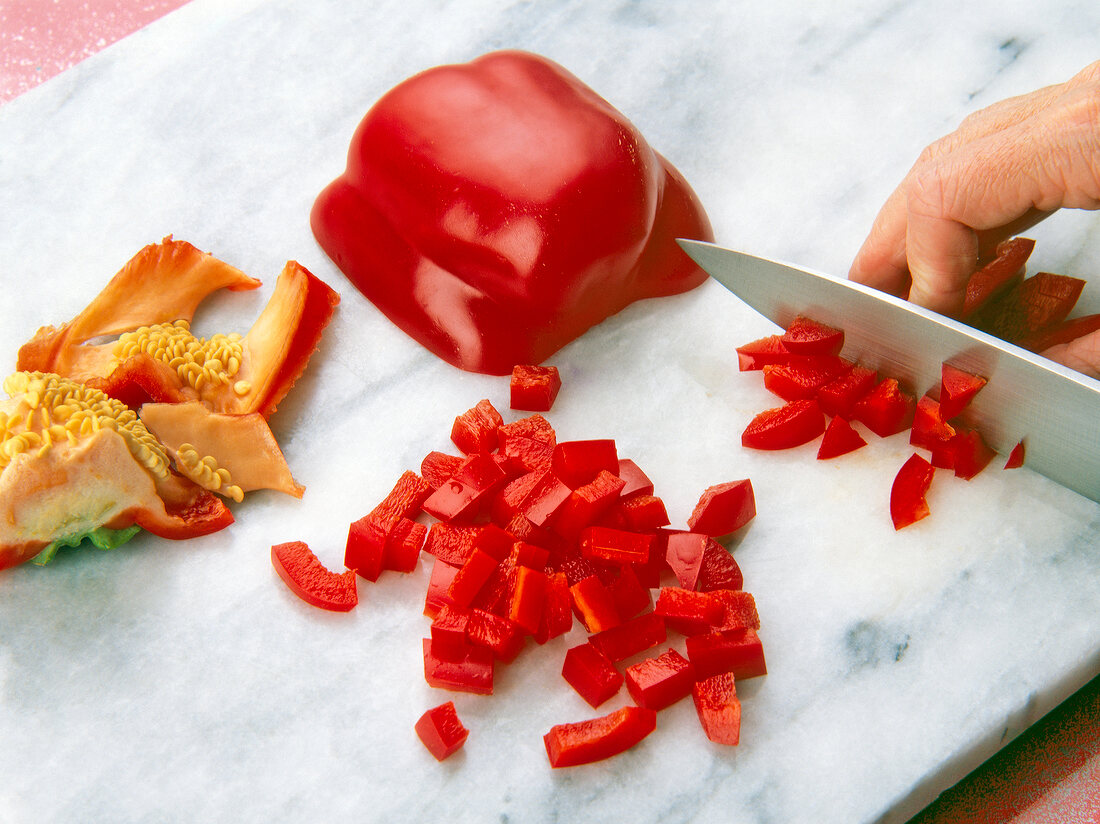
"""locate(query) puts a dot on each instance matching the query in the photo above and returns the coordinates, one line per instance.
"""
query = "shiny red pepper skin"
(497, 209)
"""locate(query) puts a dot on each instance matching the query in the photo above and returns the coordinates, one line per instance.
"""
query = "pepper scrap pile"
(122, 419)
(803, 366)
(530, 531)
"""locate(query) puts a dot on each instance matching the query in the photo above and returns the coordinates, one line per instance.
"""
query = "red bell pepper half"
(584, 742)
(454, 219)
(441, 731)
(718, 708)
(784, 427)
(907, 501)
(311, 581)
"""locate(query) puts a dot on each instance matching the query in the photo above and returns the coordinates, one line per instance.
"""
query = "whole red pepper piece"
(497, 209)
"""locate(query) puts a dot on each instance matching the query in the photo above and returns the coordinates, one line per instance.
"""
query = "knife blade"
(1054, 410)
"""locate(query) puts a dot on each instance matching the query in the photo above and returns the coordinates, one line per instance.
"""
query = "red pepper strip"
(366, 544)
(719, 570)
(441, 731)
(737, 651)
(475, 430)
(757, 354)
(723, 509)
(785, 427)
(594, 604)
(591, 674)
(907, 502)
(660, 682)
(576, 463)
(583, 742)
(839, 396)
(527, 248)
(999, 274)
(1038, 303)
(805, 336)
(534, 388)
(718, 708)
(631, 637)
(803, 378)
(957, 389)
(1060, 333)
(886, 409)
(472, 672)
(687, 611)
(635, 481)
(528, 598)
(310, 580)
(839, 439)
(1016, 457)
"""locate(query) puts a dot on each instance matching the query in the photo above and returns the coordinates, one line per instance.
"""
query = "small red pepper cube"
(530, 555)
(462, 497)
(907, 494)
(528, 442)
(438, 467)
(308, 578)
(403, 545)
(738, 609)
(475, 430)
(840, 438)
(718, 708)
(687, 611)
(756, 354)
(635, 481)
(578, 462)
(603, 543)
(719, 570)
(441, 731)
(493, 540)
(528, 598)
(723, 509)
(970, 453)
(631, 637)
(584, 742)
(886, 409)
(1016, 456)
(594, 604)
(738, 651)
(684, 556)
(802, 378)
(473, 672)
(496, 633)
(630, 596)
(839, 396)
(957, 389)
(438, 583)
(452, 543)
(471, 577)
(591, 674)
(448, 631)
(660, 682)
(930, 429)
(557, 610)
(542, 502)
(534, 388)
(806, 336)
(495, 594)
(784, 427)
(586, 503)
(643, 513)
(506, 503)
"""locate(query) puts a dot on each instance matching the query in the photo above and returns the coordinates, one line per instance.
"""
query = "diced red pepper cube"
(970, 453)
(557, 611)
(957, 389)
(660, 682)
(802, 378)
(930, 429)
(688, 611)
(506, 503)
(530, 555)
(438, 583)
(471, 578)
(784, 427)
(738, 651)
(718, 708)
(472, 672)
(719, 570)
(591, 674)
(528, 598)
(616, 545)
(441, 731)
(452, 543)
(493, 540)
(631, 637)
(756, 354)
(584, 742)
(578, 462)
(534, 388)
(529, 441)
(635, 481)
(438, 467)
(840, 438)
(496, 633)
(403, 545)
(311, 581)
(463, 497)
(806, 336)
(886, 409)
(839, 396)
(738, 609)
(1016, 456)
(907, 501)
(448, 631)
(586, 503)
(496, 593)
(630, 596)
(594, 604)
(366, 544)
(684, 556)
(643, 513)
(723, 509)
(546, 496)
(475, 430)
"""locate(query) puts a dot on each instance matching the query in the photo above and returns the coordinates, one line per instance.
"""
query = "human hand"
(1005, 168)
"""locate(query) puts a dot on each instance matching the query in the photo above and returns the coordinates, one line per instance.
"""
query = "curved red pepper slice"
(785, 427)
(907, 501)
(307, 578)
(495, 210)
(583, 742)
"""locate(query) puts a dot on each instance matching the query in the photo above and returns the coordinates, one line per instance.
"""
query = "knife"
(1054, 410)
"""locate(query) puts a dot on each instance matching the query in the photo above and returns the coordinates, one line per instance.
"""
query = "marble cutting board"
(182, 682)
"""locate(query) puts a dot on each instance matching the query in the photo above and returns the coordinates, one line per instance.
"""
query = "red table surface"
(1048, 775)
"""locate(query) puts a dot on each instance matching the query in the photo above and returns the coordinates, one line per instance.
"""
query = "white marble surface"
(163, 682)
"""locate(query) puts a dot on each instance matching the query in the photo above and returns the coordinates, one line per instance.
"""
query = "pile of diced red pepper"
(529, 534)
